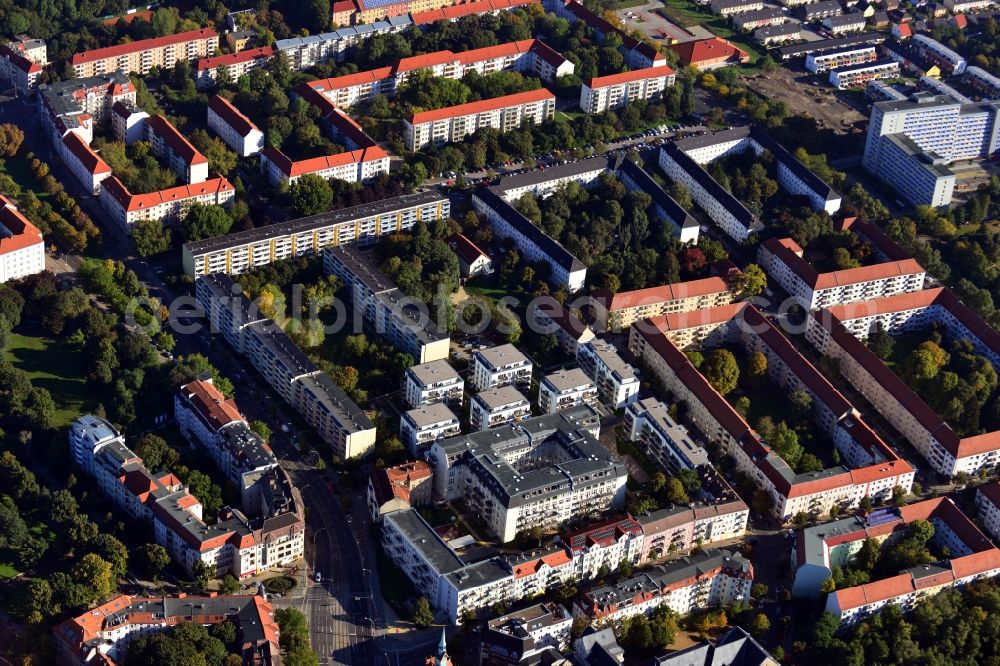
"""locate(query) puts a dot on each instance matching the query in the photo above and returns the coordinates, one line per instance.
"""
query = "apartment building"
(617, 382)
(529, 56)
(324, 405)
(838, 333)
(169, 205)
(102, 635)
(682, 161)
(817, 11)
(435, 381)
(503, 365)
(982, 81)
(870, 467)
(936, 86)
(399, 488)
(21, 63)
(620, 310)
(821, 548)
(949, 61)
(858, 76)
(307, 236)
(214, 423)
(818, 63)
(233, 65)
(876, 91)
(637, 54)
(403, 321)
(142, 55)
(717, 515)
(497, 407)
(760, 18)
(550, 316)
(454, 123)
(22, 246)
(234, 544)
(666, 441)
(827, 45)
(128, 122)
(727, 8)
(614, 91)
(768, 35)
(988, 507)
(504, 474)
(963, 6)
(911, 143)
(234, 128)
(845, 24)
(565, 389)
(972, 557)
(171, 147)
(605, 544)
(701, 580)
(893, 272)
(421, 426)
(525, 635)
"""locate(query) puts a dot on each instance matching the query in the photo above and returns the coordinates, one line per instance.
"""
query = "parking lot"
(654, 26)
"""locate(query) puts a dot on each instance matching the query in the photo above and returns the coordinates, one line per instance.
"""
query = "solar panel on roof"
(881, 516)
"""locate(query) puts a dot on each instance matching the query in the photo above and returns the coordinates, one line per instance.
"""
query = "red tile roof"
(133, 202)
(231, 115)
(634, 75)
(341, 6)
(481, 106)
(142, 45)
(229, 59)
(173, 138)
(85, 154)
(23, 233)
(209, 402)
(467, 9)
(466, 250)
(708, 51)
(665, 293)
(20, 61)
(553, 560)
(292, 169)
(145, 15)
(904, 30)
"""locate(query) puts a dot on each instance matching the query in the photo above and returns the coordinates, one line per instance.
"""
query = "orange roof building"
(141, 56)
(870, 466)
(22, 248)
(838, 332)
(710, 53)
(617, 90)
(168, 205)
(235, 64)
(621, 310)
(400, 487)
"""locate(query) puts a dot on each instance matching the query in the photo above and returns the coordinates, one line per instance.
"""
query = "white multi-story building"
(894, 272)
(436, 381)
(949, 61)
(667, 442)
(170, 205)
(962, 6)
(421, 426)
(525, 634)
(617, 382)
(607, 543)
(988, 507)
(838, 333)
(104, 634)
(21, 63)
(234, 65)
(128, 122)
(145, 54)
(234, 544)
(405, 322)
(505, 474)
(324, 405)
(911, 143)
(533, 243)
(982, 81)
(859, 76)
(207, 418)
(817, 63)
(22, 247)
(308, 236)
(503, 365)
(497, 407)
(171, 147)
(454, 123)
(870, 466)
(233, 127)
(704, 579)
(614, 91)
(622, 309)
(564, 389)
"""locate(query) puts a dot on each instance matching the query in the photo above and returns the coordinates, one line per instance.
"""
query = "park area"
(56, 367)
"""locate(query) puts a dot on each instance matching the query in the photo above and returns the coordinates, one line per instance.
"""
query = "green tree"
(150, 237)
(760, 625)
(751, 282)
(206, 221)
(310, 195)
(94, 576)
(229, 585)
(262, 429)
(638, 633)
(203, 574)
(221, 159)
(880, 342)
(423, 616)
(758, 591)
(721, 370)
(674, 492)
(152, 559)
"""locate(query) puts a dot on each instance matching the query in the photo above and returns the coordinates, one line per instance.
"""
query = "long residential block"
(817, 63)
(614, 91)
(324, 405)
(622, 309)
(22, 246)
(141, 56)
(307, 236)
(838, 333)
(454, 123)
(168, 205)
(870, 467)
(858, 76)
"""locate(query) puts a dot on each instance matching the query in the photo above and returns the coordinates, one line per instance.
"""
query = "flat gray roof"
(426, 415)
(565, 380)
(501, 355)
(434, 372)
(431, 546)
(502, 396)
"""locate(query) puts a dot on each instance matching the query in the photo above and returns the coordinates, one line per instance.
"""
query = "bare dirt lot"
(832, 108)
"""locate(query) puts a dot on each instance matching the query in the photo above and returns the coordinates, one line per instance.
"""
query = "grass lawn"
(8, 571)
(53, 366)
(18, 169)
(487, 287)
(628, 4)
